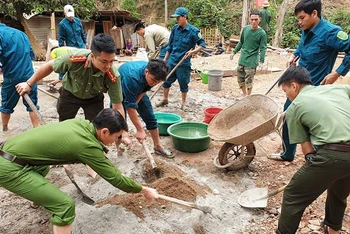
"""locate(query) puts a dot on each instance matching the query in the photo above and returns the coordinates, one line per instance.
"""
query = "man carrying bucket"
(319, 116)
(252, 44)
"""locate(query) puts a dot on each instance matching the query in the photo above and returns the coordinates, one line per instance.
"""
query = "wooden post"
(165, 12)
(53, 26)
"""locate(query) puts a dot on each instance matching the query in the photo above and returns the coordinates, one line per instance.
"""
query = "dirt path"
(191, 177)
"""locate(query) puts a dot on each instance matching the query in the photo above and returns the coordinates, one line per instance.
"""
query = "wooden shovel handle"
(170, 73)
(33, 107)
(205, 209)
(175, 200)
(274, 192)
(149, 155)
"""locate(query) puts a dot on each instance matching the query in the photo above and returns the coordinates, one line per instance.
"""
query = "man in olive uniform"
(319, 116)
(265, 15)
(25, 161)
(88, 74)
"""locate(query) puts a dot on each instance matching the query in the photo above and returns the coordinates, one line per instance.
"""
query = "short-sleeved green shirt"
(82, 81)
(70, 141)
(320, 114)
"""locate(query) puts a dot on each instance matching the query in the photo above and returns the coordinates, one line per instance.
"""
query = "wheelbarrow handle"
(280, 120)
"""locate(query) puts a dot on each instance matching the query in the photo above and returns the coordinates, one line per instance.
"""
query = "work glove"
(261, 66)
(232, 55)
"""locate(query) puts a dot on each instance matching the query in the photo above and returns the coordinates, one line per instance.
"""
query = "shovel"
(257, 197)
(267, 92)
(155, 169)
(170, 73)
(86, 198)
(205, 209)
(33, 107)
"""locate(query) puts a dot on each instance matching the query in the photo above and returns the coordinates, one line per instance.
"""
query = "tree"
(130, 5)
(16, 8)
(279, 28)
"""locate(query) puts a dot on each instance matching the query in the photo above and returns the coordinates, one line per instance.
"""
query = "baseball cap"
(181, 11)
(69, 10)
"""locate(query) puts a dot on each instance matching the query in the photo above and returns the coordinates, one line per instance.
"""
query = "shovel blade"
(254, 198)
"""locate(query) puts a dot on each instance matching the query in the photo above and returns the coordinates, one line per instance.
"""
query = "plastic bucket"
(165, 120)
(210, 113)
(204, 76)
(190, 137)
(214, 79)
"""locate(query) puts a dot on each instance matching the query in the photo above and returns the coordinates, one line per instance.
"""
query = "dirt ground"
(189, 176)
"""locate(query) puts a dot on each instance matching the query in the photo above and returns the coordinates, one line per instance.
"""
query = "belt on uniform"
(336, 147)
(13, 158)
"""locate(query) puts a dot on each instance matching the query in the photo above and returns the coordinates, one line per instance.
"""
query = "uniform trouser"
(326, 170)
(182, 75)
(10, 97)
(162, 51)
(145, 110)
(289, 149)
(30, 183)
(68, 105)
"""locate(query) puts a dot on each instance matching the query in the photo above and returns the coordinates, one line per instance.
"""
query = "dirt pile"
(173, 183)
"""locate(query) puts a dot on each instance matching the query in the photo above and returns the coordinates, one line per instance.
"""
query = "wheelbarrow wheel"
(232, 154)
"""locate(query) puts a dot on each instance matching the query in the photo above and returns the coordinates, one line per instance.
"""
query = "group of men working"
(87, 75)
(318, 117)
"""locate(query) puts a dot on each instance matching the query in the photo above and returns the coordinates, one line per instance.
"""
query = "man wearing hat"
(70, 30)
(70, 33)
(265, 15)
(155, 36)
(183, 39)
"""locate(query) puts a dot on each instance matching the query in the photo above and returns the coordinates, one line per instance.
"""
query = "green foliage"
(202, 13)
(83, 8)
(341, 18)
(221, 13)
(290, 40)
(130, 5)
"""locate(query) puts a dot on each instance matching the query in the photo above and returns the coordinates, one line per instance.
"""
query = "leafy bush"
(341, 18)
(130, 5)
(291, 30)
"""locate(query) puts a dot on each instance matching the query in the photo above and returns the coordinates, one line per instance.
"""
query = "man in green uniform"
(25, 161)
(265, 15)
(253, 44)
(88, 74)
(318, 116)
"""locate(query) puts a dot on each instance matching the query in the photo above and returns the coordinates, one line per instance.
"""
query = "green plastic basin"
(190, 137)
(165, 120)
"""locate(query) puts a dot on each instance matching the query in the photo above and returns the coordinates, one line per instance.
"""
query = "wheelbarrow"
(239, 125)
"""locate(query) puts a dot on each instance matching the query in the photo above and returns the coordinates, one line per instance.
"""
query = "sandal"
(164, 152)
(276, 157)
(162, 103)
(325, 228)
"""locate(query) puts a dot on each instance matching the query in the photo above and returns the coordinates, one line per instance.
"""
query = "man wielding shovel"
(183, 39)
(25, 161)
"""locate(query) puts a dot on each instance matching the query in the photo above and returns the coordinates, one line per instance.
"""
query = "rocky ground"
(189, 176)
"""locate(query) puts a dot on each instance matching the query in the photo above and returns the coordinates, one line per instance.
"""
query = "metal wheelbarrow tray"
(239, 125)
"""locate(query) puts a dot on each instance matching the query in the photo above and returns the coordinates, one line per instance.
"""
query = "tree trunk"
(276, 42)
(166, 12)
(39, 51)
(247, 5)
(37, 48)
(245, 13)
